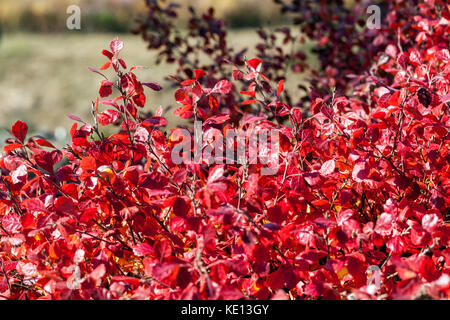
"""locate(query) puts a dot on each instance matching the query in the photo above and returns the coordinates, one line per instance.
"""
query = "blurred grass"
(121, 15)
(44, 77)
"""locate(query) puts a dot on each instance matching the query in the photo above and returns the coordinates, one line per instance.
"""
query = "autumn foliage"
(363, 179)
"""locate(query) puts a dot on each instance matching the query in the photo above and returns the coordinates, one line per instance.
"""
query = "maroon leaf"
(108, 116)
(154, 122)
(152, 85)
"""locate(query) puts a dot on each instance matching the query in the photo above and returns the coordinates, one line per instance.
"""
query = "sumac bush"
(362, 182)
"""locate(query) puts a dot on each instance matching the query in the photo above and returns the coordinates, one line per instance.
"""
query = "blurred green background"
(43, 66)
(120, 15)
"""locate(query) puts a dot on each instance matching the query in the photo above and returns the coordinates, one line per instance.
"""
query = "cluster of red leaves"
(363, 181)
(344, 45)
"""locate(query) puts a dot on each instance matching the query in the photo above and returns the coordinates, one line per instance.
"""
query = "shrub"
(362, 184)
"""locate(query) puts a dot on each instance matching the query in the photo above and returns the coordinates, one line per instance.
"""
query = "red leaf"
(187, 82)
(430, 222)
(143, 249)
(181, 207)
(218, 119)
(248, 102)
(275, 214)
(275, 280)
(385, 224)
(403, 60)
(46, 160)
(105, 88)
(154, 122)
(316, 106)
(180, 96)
(93, 70)
(130, 280)
(213, 103)
(123, 64)
(238, 75)
(34, 205)
(44, 143)
(19, 175)
(154, 180)
(414, 57)
(19, 130)
(131, 84)
(251, 75)
(88, 164)
(106, 66)
(64, 173)
(137, 67)
(11, 223)
(88, 215)
(223, 86)
(197, 93)
(116, 45)
(110, 103)
(199, 73)
(141, 134)
(10, 147)
(396, 245)
(230, 293)
(159, 111)
(361, 171)
(75, 118)
(166, 273)
(64, 205)
(107, 54)
(280, 87)
(28, 221)
(184, 112)
(98, 272)
(327, 167)
(139, 100)
(428, 269)
(248, 93)
(254, 63)
(108, 116)
(152, 85)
